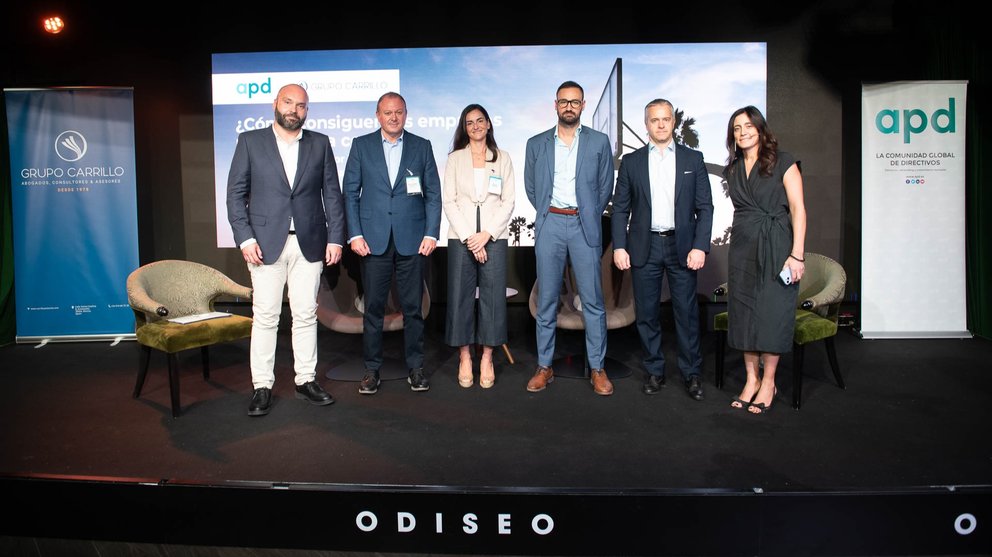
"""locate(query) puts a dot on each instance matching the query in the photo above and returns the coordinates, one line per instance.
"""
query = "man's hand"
(332, 254)
(359, 246)
(621, 259)
(252, 253)
(696, 259)
(427, 246)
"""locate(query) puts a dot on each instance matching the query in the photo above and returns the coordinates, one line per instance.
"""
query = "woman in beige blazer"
(477, 197)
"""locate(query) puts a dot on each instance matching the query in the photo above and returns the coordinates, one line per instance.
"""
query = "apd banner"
(913, 203)
(74, 209)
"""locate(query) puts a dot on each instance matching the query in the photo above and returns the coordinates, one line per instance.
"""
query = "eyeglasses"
(574, 103)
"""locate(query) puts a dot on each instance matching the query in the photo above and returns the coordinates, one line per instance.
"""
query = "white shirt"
(661, 174)
(290, 155)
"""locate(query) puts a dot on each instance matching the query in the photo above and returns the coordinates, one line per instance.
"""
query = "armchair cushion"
(174, 337)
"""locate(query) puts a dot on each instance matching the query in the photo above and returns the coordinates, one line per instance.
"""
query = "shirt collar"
(295, 139)
(386, 140)
(578, 130)
(670, 148)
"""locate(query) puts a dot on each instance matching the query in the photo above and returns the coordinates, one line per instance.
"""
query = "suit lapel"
(643, 168)
(405, 163)
(306, 142)
(272, 150)
(378, 157)
(679, 169)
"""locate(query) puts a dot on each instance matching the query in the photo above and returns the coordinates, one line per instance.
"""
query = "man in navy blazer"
(285, 208)
(393, 204)
(568, 175)
(663, 190)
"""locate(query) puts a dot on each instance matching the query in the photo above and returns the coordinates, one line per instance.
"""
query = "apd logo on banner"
(74, 209)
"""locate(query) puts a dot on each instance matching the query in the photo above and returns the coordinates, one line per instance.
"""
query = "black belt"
(292, 232)
(670, 232)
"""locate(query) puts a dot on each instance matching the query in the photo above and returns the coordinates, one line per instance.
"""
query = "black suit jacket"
(631, 227)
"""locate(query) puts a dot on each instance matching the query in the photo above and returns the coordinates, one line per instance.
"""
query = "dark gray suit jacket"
(260, 201)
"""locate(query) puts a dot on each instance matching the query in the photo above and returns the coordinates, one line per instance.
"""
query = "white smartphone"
(785, 276)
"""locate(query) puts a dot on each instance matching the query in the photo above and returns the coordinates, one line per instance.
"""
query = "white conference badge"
(495, 184)
(413, 184)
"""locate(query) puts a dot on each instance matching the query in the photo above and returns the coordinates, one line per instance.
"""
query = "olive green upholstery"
(169, 289)
(820, 293)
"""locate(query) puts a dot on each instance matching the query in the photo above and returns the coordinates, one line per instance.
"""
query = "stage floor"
(913, 416)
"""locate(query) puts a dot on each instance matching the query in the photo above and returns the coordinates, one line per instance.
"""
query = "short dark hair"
(571, 85)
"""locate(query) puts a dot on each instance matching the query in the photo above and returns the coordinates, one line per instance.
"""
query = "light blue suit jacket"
(593, 179)
(375, 209)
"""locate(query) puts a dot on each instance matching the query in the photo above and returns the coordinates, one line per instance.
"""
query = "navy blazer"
(693, 205)
(375, 209)
(593, 179)
(260, 201)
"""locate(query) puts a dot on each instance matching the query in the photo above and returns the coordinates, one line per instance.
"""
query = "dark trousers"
(464, 275)
(663, 259)
(377, 274)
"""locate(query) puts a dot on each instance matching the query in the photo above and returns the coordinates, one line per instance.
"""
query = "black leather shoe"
(370, 383)
(694, 387)
(261, 400)
(313, 393)
(653, 383)
(417, 380)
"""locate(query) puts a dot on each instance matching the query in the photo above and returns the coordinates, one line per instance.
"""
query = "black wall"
(818, 56)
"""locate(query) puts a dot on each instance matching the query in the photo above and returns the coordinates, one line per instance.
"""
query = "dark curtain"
(7, 328)
(957, 54)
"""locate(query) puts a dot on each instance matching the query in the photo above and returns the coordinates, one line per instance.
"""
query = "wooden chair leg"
(506, 350)
(146, 354)
(798, 355)
(174, 383)
(205, 357)
(832, 356)
(721, 340)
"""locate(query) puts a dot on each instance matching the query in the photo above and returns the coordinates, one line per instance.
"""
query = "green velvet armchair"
(169, 289)
(820, 293)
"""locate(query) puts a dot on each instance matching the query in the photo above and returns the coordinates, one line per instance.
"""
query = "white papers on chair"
(199, 317)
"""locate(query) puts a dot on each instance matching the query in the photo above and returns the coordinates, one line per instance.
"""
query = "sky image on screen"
(705, 82)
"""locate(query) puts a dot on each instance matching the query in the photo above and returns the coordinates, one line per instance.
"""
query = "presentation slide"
(705, 82)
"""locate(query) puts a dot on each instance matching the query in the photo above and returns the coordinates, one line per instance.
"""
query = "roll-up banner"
(913, 210)
(74, 211)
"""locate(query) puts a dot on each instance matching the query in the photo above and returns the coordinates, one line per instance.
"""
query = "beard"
(289, 122)
(568, 118)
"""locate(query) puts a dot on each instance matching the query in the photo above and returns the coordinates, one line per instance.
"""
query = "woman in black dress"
(766, 252)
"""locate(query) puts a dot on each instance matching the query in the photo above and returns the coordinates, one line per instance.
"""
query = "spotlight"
(53, 24)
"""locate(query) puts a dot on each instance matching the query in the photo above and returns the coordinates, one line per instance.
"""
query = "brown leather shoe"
(600, 382)
(542, 377)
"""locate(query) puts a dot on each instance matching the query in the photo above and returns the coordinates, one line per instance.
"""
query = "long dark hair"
(767, 143)
(461, 136)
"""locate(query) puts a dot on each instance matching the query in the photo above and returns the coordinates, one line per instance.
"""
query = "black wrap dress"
(761, 309)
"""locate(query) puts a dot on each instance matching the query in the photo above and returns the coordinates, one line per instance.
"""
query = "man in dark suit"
(393, 203)
(568, 175)
(663, 190)
(285, 207)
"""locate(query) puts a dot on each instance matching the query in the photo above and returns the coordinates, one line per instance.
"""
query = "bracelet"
(797, 259)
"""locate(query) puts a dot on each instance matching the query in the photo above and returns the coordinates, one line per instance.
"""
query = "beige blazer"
(459, 200)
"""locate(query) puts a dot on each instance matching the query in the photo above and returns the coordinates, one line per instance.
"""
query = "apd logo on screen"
(70, 146)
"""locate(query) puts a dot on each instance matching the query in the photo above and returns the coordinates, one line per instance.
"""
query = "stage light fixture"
(53, 25)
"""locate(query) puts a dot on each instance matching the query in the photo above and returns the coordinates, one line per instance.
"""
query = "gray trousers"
(463, 324)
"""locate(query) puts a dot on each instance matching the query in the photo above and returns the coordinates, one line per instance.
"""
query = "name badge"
(496, 184)
(413, 186)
